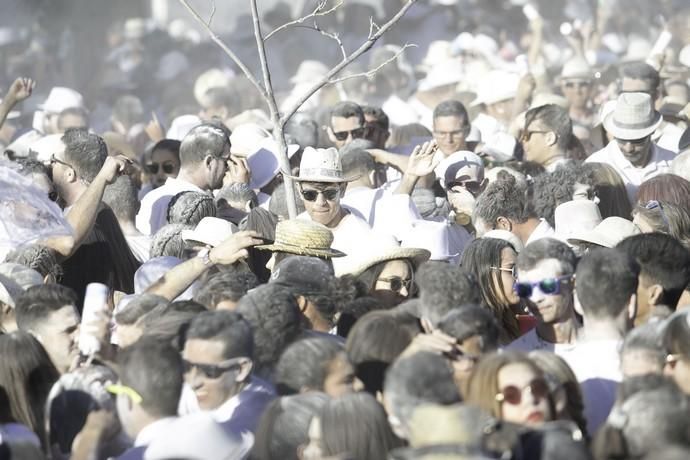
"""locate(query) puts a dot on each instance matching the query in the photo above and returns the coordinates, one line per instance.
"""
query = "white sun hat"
(61, 98)
(574, 217)
(608, 233)
(633, 118)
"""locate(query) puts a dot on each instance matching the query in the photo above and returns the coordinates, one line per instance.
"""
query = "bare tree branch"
(366, 46)
(245, 70)
(332, 36)
(372, 26)
(213, 13)
(318, 11)
(372, 72)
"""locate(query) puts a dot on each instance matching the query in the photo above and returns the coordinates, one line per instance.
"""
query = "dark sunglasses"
(513, 394)
(527, 135)
(152, 168)
(577, 84)
(211, 371)
(398, 283)
(356, 133)
(471, 186)
(548, 286)
(329, 194)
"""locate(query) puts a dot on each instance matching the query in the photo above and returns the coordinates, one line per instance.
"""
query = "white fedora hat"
(633, 118)
(321, 165)
(574, 217)
(210, 231)
(608, 233)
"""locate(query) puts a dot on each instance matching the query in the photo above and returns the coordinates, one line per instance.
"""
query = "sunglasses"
(548, 286)
(473, 187)
(397, 283)
(511, 270)
(329, 194)
(513, 394)
(356, 133)
(653, 204)
(211, 371)
(168, 168)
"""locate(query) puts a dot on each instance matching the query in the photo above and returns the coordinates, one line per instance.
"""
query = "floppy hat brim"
(592, 236)
(416, 255)
(301, 251)
(630, 134)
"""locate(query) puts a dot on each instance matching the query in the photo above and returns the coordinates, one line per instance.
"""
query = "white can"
(95, 302)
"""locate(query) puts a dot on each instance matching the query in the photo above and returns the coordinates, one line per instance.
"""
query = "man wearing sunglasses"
(345, 124)
(546, 279)
(217, 363)
(576, 86)
(632, 152)
(546, 136)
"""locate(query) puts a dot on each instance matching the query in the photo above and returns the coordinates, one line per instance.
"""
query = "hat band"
(320, 172)
(304, 245)
(639, 125)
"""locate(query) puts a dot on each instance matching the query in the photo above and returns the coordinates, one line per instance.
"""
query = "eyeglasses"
(211, 371)
(54, 159)
(471, 186)
(167, 167)
(356, 133)
(329, 194)
(397, 283)
(577, 84)
(510, 270)
(119, 389)
(548, 286)
(527, 135)
(513, 394)
(653, 204)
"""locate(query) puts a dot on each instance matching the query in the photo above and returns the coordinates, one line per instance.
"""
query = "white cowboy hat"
(210, 231)
(633, 118)
(608, 233)
(576, 69)
(321, 165)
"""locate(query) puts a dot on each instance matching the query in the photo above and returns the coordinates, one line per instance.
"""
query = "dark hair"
(128, 110)
(304, 365)
(26, 375)
(668, 188)
(154, 370)
(662, 260)
(37, 257)
(302, 130)
(188, 208)
(34, 306)
(444, 287)
(237, 192)
(547, 248)
(375, 341)
(227, 327)
(202, 141)
(169, 145)
(72, 111)
(469, 321)
(379, 116)
(167, 241)
(284, 426)
(451, 108)
(356, 424)
(504, 197)
(639, 70)
(369, 276)
(225, 285)
(85, 152)
(421, 378)
(676, 338)
(138, 307)
(610, 189)
(554, 118)
(606, 279)
(647, 338)
(169, 322)
(480, 258)
(347, 109)
(358, 162)
(555, 188)
(276, 321)
(122, 198)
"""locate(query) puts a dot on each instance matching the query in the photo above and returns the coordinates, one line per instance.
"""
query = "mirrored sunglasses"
(548, 286)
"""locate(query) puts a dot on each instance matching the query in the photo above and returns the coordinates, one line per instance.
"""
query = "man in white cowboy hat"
(632, 153)
(321, 184)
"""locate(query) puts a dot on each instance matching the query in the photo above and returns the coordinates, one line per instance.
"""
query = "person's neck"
(579, 112)
(128, 228)
(562, 332)
(603, 329)
(554, 156)
(71, 194)
(337, 219)
(526, 228)
(194, 177)
(142, 421)
(644, 161)
(359, 183)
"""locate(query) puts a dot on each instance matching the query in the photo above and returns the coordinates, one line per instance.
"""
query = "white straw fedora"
(633, 118)
(321, 165)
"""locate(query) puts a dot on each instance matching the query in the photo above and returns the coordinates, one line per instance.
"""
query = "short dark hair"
(305, 364)
(451, 108)
(357, 162)
(225, 285)
(154, 370)
(138, 307)
(663, 260)
(553, 118)
(85, 152)
(547, 248)
(169, 145)
(73, 111)
(639, 70)
(201, 141)
(380, 117)
(606, 278)
(227, 327)
(35, 305)
(471, 320)
(347, 109)
(504, 197)
(122, 198)
(445, 287)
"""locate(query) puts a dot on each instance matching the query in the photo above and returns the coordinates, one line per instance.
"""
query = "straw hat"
(377, 249)
(303, 237)
(321, 165)
(608, 233)
(210, 231)
(633, 118)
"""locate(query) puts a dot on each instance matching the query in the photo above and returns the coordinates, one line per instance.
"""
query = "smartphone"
(95, 303)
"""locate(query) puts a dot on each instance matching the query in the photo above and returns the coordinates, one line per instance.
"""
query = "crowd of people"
(490, 256)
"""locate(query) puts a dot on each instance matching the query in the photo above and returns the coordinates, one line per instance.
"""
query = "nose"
(193, 378)
(404, 292)
(537, 295)
(320, 199)
(626, 147)
(271, 263)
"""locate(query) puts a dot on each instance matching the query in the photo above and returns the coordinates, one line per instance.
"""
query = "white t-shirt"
(543, 230)
(153, 213)
(531, 341)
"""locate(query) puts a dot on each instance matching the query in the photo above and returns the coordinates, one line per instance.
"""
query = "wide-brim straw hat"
(633, 118)
(608, 233)
(304, 238)
(381, 249)
(321, 165)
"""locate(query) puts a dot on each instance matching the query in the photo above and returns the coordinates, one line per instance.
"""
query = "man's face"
(343, 130)
(548, 308)
(637, 152)
(324, 208)
(217, 167)
(61, 172)
(341, 377)
(72, 121)
(577, 92)
(464, 189)
(375, 133)
(634, 85)
(211, 393)
(450, 133)
(535, 143)
(58, 335)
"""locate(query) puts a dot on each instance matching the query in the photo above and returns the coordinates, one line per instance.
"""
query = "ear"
(302, 303)
(208, 160)
(245, 370)
(551, 138)
(632, 308)
(576, 303)
(560, 401)
(654, 294)
(503, 223)
(331, 136)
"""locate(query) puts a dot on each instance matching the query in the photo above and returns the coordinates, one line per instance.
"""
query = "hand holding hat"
(234, 248)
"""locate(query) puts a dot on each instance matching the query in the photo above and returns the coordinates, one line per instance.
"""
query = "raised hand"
(238, 171)
(20, 89)
(114, 166)
(234, 247)
(421, 162)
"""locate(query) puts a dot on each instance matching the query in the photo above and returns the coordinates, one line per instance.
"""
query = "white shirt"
(140, 245)
(543, 230)
(531, 341)
(632, 176)
(153, 431)
(153, 213)
(667, 137)
(399, 112)
(384, 211)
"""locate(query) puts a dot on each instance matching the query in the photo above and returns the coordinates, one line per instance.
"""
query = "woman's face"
(163, 164)
(314, 450)
(341, 377)
(678, 368)
(525, 395)
(394, 283)
(505, 274)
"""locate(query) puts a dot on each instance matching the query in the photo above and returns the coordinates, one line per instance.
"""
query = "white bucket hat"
(498, 86)
(321, 165)
(633, 118)
(608, 233)
(61, 98)
(210, 231)
(181, 126)
(574, 217)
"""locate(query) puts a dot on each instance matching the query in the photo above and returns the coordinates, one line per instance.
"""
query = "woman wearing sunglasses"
(511, 387)
(163, 161)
